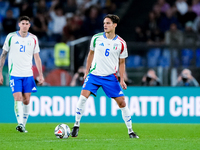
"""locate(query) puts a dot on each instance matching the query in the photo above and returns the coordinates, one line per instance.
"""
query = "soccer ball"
(62, 131)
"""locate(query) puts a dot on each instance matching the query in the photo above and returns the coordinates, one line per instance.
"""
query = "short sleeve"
(92, 43)
(124, 52)
(6, 45)
(36, 48)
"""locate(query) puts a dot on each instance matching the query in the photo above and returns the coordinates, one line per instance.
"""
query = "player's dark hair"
(114, 18)
(24, 18)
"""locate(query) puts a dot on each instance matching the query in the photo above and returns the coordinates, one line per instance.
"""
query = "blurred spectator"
(62, 55)
(196, 7)
(167, 20)
(164, 6)
(109, 7)
(156, 37)
(40, 26)
(184, 14)
(93, 22)
(78, 18)
(150, 24)
(26, 9)
(58, 20)
(41, 7)
(84, 5)
(15, 2)
(157, 12)
(78, 78)
(150, 79)
(9, 23)
(71, 31)
(182, 6)
(140, 35)
(69, 6)
(173, 35)
(196, 24)
(190, 37)
(90, 3)
(186, 79)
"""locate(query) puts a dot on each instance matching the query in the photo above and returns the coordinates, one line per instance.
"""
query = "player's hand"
(85, 75)
(1, 79)
(40, 80)
(123, 85)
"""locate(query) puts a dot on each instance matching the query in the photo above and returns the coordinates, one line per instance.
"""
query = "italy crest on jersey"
(29, 43)
(115, 46)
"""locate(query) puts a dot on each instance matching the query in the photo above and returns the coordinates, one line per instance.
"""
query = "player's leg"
(89, 86)
(113, 89)
(79, 111)
(126, 115)
(16, 88)
(28, 86)
(26, 107)
(80, 107)
(18, 108)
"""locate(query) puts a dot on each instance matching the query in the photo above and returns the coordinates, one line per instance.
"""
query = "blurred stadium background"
(163, 35)
(146, 26)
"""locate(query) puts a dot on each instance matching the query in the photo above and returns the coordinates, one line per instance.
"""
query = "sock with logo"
(19, 111)
(127, 118)
(80, 109)
(26, 113)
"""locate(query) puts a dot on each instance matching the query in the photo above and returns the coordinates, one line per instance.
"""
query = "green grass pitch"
(102, 136)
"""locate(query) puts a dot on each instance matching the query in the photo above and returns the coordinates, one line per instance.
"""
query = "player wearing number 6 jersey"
(107, 55)
(21, 46)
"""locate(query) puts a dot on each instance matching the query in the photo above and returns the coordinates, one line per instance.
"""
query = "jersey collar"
(104, 35)
(20, 35)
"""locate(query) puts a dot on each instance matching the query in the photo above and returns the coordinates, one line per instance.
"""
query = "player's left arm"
(2, 61)
(122, 72)
(39, 67)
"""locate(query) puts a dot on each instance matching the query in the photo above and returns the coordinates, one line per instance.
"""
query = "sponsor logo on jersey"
(101, 44)
(115, 46)
(17, 42)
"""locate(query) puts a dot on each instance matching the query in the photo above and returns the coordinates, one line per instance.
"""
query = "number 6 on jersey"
(107, 52)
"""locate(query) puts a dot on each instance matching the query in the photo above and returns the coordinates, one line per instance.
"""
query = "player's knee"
(122, 104)
(26, 101)
(85, 93)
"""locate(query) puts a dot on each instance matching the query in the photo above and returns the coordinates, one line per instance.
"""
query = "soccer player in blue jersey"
(21, 47)
(106, 56)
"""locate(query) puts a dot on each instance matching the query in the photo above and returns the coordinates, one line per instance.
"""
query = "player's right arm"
(39, 67)
(2, 61)
(90, 55)
(89, 62)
